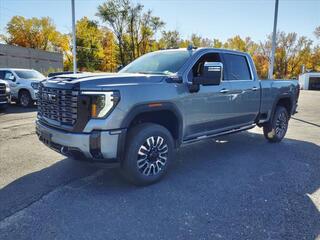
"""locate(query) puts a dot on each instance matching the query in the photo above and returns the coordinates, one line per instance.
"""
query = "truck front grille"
(59, 105)
(2, 89)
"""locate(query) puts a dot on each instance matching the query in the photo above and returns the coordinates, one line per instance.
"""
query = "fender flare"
(278, 98)
(154, 107)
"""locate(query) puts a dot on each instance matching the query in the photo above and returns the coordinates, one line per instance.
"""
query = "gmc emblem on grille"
(49, 97)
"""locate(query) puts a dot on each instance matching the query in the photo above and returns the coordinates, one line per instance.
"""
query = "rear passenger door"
(244, 88)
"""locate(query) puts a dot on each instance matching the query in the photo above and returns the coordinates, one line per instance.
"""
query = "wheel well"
(23, 90)
(286, 103)
(166, 118)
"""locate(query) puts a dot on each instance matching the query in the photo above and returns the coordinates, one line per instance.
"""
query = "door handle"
(254, 89)
(224, 90)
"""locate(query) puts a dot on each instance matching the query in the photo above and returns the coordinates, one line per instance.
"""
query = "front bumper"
(4, 98)
(97, 145)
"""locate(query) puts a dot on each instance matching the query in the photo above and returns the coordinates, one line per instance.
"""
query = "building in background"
(20, 57)
(310, 81)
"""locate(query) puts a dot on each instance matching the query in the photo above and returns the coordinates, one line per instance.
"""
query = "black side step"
(235, 130)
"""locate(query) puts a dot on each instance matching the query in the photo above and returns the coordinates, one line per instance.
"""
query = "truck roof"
(204, 49)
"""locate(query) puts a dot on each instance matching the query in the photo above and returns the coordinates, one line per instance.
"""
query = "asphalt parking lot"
(234, 187)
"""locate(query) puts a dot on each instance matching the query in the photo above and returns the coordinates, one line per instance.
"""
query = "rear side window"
(237, 67)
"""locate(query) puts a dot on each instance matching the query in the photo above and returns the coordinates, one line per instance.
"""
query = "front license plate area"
(45, 138)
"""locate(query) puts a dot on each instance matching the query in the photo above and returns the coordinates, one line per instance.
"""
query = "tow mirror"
(119, 67)
(211, 75)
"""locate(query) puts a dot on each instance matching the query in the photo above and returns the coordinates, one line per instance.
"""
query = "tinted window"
(197, 69)
(237, 67)
(29, 74)
(1, 74)
(8, 76)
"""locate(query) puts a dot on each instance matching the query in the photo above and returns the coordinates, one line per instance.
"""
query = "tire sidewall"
(269, 131)
(135, 139)
(27, 94)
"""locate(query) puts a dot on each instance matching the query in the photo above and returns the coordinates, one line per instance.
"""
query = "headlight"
(7, 88)
(35, 85)
(102, 103)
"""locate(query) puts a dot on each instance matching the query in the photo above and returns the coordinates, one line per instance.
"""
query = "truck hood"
(96, 81)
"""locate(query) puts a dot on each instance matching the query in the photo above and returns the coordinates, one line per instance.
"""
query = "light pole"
(274, 34)
(74, 49)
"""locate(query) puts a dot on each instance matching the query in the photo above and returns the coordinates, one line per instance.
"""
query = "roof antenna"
(191, 47)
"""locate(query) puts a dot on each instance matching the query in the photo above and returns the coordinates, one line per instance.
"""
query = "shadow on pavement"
(238, 187)
(15, 108)
(304, 121)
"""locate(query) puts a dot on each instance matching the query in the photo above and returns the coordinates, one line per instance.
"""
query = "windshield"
(165, 62)
(29, 74)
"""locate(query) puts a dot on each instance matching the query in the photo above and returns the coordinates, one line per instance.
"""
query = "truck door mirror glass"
(211, 74)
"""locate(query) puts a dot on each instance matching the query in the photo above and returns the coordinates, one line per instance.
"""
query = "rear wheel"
(149, 151)
(25, 99)
(276, 129)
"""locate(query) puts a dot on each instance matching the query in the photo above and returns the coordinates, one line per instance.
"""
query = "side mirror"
(119, 67)
(211, 75)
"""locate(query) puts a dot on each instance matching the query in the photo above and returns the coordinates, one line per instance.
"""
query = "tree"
(170, 39)
(317, 32)
(35, 33)
(217, 43)
(110, 52)
(148, 28)
(116, 14)
(133, 28)
(89, 44)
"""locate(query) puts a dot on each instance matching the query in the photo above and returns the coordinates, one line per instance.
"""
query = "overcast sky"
(209, 18)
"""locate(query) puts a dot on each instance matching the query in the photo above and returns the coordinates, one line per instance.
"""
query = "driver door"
(209, 110)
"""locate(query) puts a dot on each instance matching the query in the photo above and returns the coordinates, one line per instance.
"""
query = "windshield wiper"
(147, 72)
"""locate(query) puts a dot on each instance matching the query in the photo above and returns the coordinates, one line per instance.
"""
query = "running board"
(218, 134)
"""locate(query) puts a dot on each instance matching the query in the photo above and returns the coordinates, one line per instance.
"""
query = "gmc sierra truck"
(162, 100)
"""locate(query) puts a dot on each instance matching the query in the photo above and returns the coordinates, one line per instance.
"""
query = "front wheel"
(149, 151)
(276, 129)
(25, 99)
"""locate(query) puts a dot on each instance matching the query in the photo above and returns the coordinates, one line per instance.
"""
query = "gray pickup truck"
(138, 116)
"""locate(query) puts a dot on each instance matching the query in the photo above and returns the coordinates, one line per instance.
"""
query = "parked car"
(24, 84)
(157, 103)
(4, 94)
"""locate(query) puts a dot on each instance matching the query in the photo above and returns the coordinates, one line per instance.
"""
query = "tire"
(276, 129)
(25, 99)
(148, 154)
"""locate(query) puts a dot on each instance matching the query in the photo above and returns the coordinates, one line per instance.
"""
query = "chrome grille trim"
(58, 105)
(2, 89)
